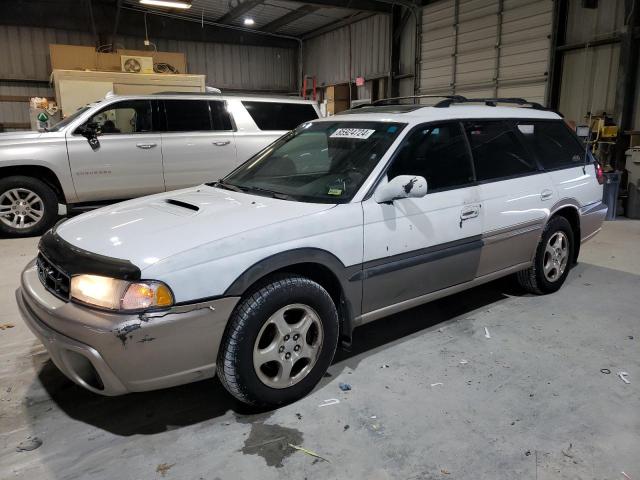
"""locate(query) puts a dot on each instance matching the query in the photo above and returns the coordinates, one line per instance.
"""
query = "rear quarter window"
(279, 116)
(552, 143)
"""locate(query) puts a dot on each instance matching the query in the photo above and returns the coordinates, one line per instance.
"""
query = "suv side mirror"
(402, 186)
(90, 132)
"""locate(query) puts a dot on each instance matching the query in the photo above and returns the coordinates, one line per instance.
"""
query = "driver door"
(128, 161)
(415, 246)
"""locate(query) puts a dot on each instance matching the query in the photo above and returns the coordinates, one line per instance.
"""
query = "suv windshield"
(323, 162)
(67, 120)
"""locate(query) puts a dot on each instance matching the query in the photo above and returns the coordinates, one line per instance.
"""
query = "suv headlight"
(121, 295)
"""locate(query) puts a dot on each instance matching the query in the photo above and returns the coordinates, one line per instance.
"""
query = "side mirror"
(402, 186)
(90, 132)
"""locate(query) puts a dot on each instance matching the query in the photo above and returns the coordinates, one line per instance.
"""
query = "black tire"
(533, 279)
(235, 358)
(49, 203)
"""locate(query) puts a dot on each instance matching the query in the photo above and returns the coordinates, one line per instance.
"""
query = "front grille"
(53, 278)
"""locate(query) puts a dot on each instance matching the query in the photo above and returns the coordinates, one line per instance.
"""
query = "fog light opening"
(84, 369)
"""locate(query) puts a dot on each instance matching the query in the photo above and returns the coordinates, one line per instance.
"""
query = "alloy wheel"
(288, 346)
(21, 208)
(556, 256)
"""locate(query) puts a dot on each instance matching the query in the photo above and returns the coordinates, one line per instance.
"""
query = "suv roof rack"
(395, 100)
(490, 102)
(209, 91)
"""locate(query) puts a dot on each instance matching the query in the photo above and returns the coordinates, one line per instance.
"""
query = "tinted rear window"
(497, 151)
(279, 116)
(553, 144)
(187, 115)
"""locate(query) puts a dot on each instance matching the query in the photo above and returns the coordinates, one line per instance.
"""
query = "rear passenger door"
(562, 154)
(515, 193)
(198, 144)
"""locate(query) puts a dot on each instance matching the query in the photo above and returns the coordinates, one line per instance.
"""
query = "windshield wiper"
(227, 186)
(271, 193)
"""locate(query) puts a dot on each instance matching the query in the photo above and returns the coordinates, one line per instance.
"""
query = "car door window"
(553, 144)
(187, 115)
(497, 152)
(438, 153)
(129, 116)
(279, 116)
(220, 116)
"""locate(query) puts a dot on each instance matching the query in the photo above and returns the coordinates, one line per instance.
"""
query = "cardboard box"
(337, 92)
(76, 57)
(109, 62)
(73, 57)
(337, 106)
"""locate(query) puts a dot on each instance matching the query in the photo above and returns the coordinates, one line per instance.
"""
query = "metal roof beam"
(362, 5)
(238, 11)
(290, 17)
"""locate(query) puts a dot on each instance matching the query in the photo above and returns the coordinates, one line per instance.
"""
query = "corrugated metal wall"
(327, 56)
(24, 55)
(238, 67)
(589, 79)
(486, 48)
(589, 74)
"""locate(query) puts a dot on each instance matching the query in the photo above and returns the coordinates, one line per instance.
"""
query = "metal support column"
(627, 76)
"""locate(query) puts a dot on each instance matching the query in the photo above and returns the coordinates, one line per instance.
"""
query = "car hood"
(19, 135)
(149, 229)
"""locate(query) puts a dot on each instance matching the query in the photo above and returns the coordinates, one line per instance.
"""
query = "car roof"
(416, 114)
(211, 96)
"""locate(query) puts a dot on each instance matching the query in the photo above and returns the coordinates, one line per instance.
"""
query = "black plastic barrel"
(610, 193)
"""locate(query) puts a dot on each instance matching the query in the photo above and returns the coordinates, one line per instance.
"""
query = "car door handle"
(222, 143)
(468, 213)
(145, 146)
(546, 194)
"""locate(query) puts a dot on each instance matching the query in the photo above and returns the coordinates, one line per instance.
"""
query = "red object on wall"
(359, 81)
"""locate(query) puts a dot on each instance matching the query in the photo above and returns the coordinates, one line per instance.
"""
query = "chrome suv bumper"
(111, 353)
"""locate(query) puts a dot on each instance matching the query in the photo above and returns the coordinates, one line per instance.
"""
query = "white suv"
(343, 221)
(124, 147)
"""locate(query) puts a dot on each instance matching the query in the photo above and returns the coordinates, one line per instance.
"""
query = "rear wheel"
(552, 261)
(28, 206)
(279, 342)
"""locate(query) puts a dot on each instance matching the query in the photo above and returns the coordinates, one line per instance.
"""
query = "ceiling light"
(184, 4)
(249, 21)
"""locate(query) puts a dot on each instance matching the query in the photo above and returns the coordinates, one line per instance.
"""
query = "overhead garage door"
(486, 48)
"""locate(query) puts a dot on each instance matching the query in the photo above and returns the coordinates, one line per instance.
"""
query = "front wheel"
(28, 206)
(552, 260)
(279, 342)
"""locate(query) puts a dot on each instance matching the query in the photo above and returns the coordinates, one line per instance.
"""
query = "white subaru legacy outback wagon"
(347, 219)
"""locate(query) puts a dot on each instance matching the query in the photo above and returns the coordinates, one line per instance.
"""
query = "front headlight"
(121, 295)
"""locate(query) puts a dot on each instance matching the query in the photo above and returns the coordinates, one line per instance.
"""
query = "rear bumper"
(111, 353)
(591, 219)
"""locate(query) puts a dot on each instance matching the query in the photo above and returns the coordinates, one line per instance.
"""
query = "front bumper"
(112, 354)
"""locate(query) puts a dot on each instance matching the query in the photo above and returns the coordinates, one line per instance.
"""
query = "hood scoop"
(180, 203)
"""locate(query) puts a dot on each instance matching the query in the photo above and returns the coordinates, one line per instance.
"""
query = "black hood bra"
(74, 260)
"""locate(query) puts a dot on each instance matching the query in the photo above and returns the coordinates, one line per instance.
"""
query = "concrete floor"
(529, 403)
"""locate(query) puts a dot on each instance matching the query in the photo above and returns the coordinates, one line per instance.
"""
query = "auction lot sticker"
(361, 133)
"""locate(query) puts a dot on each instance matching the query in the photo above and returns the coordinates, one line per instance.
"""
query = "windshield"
(322, 162)
(67, 120)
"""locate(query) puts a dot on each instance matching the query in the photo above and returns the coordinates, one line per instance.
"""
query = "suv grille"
(53, 279)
